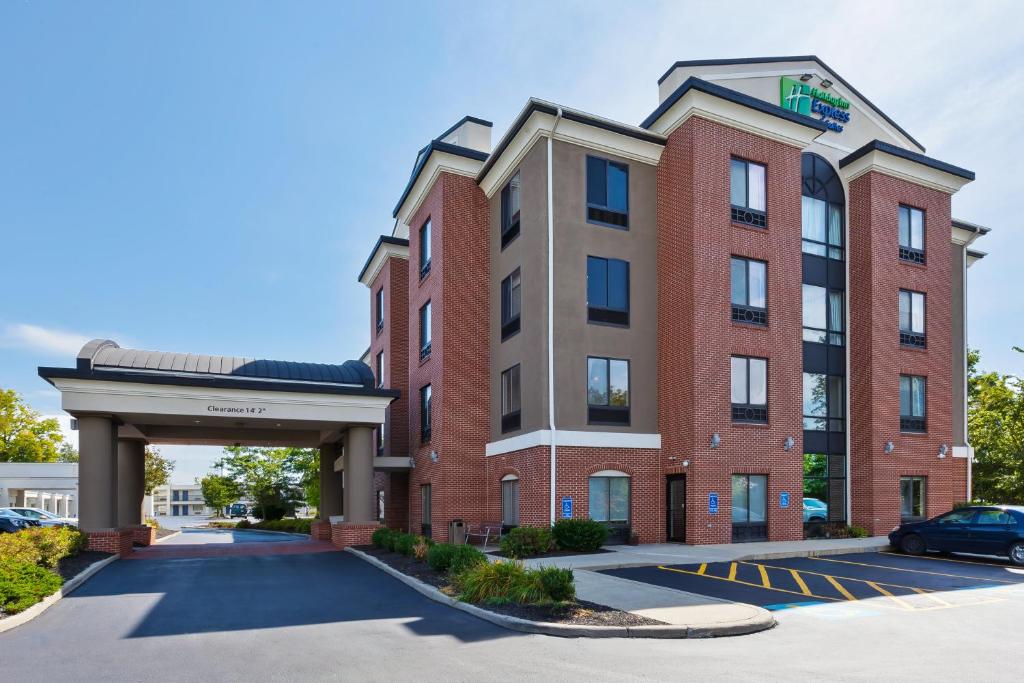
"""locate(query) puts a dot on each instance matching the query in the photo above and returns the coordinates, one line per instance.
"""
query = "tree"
(158, 470)
(24, 435)
(67, 453)
(270, 477)
(218, 491)
(995, 424)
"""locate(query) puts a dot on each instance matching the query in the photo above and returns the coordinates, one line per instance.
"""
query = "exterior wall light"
(889, 447)
(715, 440)
(789, 443)
(943, 449)
(806, 77)
(686, 463)
(825, 83)
(433, 456)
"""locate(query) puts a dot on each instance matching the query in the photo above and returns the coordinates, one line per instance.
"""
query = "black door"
(676, 506)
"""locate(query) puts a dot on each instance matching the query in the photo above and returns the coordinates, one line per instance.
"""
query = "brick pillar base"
(345, 534)
(320, 530)
(115, 541)
(143, 535)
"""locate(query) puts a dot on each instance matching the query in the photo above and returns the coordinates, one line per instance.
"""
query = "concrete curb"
(49, 601)
(568, 630)
(261, 531)
(164, 538)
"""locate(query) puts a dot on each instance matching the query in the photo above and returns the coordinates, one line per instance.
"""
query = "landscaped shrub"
(244, 524)
(56, 543)
(445, 557)
(557, 583)
(583, 535)
(19, 547)
(391, 541)
(298, 526)
(380, 536)
(526, 541)
(421, 547)
(23, 584)
(405, 544)
(500, 582)
(857, 532)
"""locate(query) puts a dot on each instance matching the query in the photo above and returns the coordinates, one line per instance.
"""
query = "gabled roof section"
(385, 244)
(464, 119)
(421, 162)
(794, 58)
(879, 146)
(697, 84)
(971, 227)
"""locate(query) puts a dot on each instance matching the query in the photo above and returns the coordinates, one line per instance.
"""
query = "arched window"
(510, 500)
(822, 208)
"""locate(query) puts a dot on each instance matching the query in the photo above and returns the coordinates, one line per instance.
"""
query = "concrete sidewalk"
(680, 608)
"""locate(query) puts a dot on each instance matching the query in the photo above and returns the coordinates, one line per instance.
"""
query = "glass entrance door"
(676, 504)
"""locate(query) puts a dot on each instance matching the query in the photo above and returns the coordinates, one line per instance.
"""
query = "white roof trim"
(385, 251)
(438, 163)
(904, 169)
(593, 439)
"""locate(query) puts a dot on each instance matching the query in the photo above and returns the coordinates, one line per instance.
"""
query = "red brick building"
(740, 320)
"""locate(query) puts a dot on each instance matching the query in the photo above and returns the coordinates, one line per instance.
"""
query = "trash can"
(457, 532)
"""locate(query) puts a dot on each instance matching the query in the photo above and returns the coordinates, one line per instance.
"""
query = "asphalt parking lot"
(890, 580)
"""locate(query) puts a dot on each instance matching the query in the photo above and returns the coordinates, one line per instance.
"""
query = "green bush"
(583, 535)
(557, 583)
(455, 559)
(405, 544)
(19, 547)
(244, 524)
(500, 582)
(45, 546)
(298, 526)
(23, 584)
(526, 541)
(380, 536)
(857, 532)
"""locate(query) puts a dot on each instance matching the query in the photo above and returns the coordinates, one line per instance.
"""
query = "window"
(607, 193)
(609, 498)
(425, 419)
(380, 506)
(380, 309)
(957, 517)
(823, 315)
(510, 399)
(380, 439)
(747, 193)
(510, 500)
(913, 417)
(425, 249)
(607, 391)
(749, 291)
(995, 517)
(749, 507)
(912, 319)
(425, 510)
(822, 228)
(511, 302)
(176, 495)
(510, 211)
(911, 234)
(823, 402)
(607, 291)
(824, 488)
(749, 389)
(425, 330)
(380, 368)
(912, 498)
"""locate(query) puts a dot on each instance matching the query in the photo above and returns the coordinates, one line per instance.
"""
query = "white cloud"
(36, 338)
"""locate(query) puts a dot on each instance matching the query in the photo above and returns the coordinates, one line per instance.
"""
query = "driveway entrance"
(191, 543)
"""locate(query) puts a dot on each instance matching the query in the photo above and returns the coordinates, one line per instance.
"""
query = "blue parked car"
(980, 530)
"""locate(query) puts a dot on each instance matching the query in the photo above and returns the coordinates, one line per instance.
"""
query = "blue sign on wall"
(567, 507)
(713, 503)
(784, 500)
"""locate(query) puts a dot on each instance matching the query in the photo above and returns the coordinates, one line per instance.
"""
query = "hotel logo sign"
(803, 98)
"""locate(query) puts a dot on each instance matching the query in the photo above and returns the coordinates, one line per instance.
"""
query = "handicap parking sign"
(713, 503)
(567, 507)
(784, 500)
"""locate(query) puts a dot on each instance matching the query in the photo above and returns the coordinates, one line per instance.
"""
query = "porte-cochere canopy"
(124, 399)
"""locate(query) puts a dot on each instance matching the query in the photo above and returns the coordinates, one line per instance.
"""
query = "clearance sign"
(805, 99)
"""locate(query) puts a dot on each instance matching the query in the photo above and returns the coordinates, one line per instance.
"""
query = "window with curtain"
(911, 226)
(913, 408)
(510, 501)
(912, 498)
(747, 194)
(912, 316)
(380, 310)
(425, 413)
(510, 401)
(425, 248)
(822, 228)
(609, 499)
(749, 389)
(511, 303)
(510, 211)
(749, 280)
(425, 330)
(822, 315)
(380, 368)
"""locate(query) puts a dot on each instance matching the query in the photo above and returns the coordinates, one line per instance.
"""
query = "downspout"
(967, 437)
(551, 313)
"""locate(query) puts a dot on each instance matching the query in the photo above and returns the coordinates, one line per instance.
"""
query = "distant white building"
(51, 486)
(180, 500)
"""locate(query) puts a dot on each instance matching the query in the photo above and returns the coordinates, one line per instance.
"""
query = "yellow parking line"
(764, 576)
(839, 587)
(913, 571)
(746, 583)
(903, 603)
(1003, 565)
(931, 596)
(732, 572)
(703, 568)
(800, 582)
(837, 576)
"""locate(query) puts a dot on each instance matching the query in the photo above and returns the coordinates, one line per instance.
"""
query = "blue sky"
(210, 177)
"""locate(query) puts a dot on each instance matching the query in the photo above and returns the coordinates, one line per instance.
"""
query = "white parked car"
(44, 518)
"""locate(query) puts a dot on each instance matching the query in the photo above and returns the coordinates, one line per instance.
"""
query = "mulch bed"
(556, 553)
(70, 567)
(580, 613)
(164, 533)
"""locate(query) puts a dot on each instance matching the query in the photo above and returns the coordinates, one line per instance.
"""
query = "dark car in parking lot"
(11, 522)
(977, 530)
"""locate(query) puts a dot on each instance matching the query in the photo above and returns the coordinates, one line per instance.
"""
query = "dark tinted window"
(607, 192)
(607, 290)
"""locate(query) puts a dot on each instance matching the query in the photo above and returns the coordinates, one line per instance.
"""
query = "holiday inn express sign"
(803, 98)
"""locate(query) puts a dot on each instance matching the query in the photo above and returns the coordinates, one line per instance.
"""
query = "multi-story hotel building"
(741, 319)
